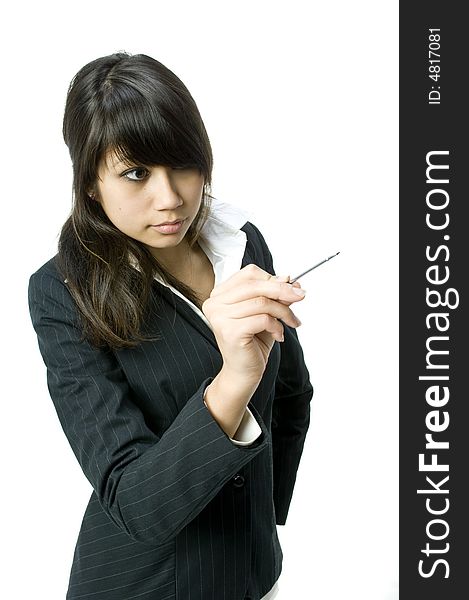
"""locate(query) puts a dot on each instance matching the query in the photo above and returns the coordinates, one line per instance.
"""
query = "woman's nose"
(162, 189)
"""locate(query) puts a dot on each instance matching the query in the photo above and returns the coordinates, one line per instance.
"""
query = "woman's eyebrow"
(117, 164)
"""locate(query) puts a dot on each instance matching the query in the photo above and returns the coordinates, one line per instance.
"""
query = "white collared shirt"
(224, 244)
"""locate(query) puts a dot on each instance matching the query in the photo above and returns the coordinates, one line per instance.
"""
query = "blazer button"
(238, 480)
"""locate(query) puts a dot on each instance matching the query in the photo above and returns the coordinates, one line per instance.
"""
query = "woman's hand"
(245, 312)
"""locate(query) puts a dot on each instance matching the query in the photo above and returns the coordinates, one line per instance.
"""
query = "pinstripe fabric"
(178, 511)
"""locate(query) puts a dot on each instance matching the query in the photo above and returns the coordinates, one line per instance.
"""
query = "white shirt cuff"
(248, 431)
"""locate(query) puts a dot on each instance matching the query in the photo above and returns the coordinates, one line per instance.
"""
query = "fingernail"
(299, 291)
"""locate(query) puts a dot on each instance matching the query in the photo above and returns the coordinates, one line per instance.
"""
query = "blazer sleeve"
(149, 485)
(291, 410)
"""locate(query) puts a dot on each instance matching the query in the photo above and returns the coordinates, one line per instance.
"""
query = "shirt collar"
(222, 240)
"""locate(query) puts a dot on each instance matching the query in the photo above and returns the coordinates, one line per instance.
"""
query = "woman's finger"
(257, 324)
(261, 306)
(255, 288)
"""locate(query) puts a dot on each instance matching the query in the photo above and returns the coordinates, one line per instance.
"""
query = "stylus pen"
(315, 266)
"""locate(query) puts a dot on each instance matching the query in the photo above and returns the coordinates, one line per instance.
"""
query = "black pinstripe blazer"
(178, 511)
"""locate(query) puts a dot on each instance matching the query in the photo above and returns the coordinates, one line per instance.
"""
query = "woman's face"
(135, 198)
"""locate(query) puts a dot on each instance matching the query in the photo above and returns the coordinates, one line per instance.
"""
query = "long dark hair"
(136, 107)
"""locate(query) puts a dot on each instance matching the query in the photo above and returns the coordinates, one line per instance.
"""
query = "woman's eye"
(137, 170)
(140, 173)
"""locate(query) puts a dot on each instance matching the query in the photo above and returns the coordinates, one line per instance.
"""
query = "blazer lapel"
(186, 312)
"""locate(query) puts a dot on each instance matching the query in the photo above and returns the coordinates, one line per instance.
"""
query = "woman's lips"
(172, 228)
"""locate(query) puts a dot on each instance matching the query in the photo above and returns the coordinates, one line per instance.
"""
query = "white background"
(300, 103)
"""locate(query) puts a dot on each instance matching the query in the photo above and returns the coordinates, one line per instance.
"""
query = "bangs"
(150, 129)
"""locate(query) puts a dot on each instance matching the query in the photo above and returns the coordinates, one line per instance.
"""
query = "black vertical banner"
(434, 253)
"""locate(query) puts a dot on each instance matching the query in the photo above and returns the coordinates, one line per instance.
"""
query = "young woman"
(157, 321)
